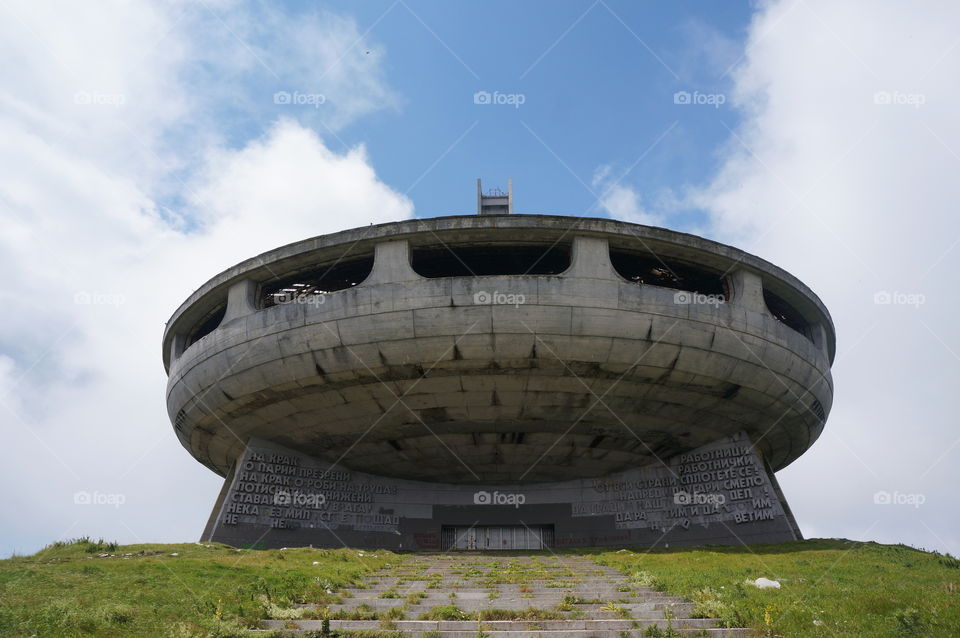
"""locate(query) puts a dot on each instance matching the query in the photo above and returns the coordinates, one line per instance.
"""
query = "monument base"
(721, 493)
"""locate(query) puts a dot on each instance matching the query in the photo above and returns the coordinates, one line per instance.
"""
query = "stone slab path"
(508, 596)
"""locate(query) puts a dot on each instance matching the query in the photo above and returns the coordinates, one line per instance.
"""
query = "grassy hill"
(828, 587)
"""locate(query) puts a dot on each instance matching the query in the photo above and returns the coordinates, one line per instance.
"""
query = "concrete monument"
(500, 381)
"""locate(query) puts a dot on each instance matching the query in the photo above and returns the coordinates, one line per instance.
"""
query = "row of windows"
(493, 260)
(499, 260)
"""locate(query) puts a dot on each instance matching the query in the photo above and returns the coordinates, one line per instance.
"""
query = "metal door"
(496, 537)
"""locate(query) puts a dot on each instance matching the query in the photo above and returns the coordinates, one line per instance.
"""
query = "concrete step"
(521, 629)
(583, 592)
(293, 628)
(524, 574)
(547, 596)
(514, 625)
(467, 585)
(654, 608)
(413, 613)
(559, 594)
(659, 600)
(584, 598)
(514, 571)
(474, 578)
(571, 568)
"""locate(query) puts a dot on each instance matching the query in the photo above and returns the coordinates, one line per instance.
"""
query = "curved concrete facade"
(499, 379)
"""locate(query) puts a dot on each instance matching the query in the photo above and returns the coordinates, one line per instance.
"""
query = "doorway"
(498, 537)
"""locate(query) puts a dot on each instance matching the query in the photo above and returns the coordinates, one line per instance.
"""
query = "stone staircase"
(506, 596)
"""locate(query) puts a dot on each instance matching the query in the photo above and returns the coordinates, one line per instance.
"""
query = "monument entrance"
(496, 537)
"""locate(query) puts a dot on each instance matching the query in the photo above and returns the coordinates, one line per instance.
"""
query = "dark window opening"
(817, 408)
(465, 261)
(180, 420)
(315, 282)
(786, 314)
(207, 325)
(647, 269)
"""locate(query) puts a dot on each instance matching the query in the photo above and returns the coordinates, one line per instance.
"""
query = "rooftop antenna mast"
(495, 201)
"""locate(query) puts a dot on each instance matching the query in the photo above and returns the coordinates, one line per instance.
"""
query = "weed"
(908, 622)
(444, 612)
(414, 597)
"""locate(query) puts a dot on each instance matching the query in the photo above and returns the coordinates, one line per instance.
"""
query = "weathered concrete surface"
(718, 494)
(502, 379)
(551, 385)
(466, 229)
(574, 596)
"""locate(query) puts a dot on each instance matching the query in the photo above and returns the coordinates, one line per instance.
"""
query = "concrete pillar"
(591, 259)
(240, 300)
(746, 289)
(819, 335)
(391, 263)
(177, 344)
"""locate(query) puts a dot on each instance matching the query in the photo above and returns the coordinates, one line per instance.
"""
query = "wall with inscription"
(720, 493)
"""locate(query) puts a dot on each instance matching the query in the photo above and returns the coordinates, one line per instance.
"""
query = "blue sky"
(594, 95)
(142, 150)
(596, 81)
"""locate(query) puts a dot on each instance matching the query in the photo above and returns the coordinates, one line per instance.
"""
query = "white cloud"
(622, 201)
(709, 53)
(291, 172)
(855, 197)
(250, 52)
(94, 262)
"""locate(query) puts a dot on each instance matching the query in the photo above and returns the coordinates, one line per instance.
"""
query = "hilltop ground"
(828, 587)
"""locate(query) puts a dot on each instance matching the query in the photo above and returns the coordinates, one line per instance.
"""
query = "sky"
(146, 146)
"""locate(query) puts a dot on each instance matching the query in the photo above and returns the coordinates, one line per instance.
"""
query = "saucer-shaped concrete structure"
(489, 351)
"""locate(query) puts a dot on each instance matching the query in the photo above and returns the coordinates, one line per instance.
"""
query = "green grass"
(205, 591)
(444, 612)
(828, 587)
(530, 613)
(452, 612)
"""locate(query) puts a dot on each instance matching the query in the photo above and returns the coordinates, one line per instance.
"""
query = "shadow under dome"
(314, 280)
(491, 259)
(210, 322)
(647, 268)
